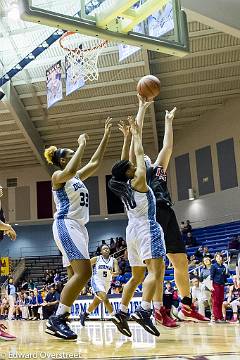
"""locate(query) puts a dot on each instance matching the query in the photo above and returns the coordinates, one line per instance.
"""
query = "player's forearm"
(99, 153)
(140, 117)
(138, 148)
(75, 162)
(125, 148)
(168, 135)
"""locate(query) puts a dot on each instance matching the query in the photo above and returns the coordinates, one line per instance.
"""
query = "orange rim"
(102, 44)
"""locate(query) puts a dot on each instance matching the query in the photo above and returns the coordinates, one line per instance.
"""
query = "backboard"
(157, 25)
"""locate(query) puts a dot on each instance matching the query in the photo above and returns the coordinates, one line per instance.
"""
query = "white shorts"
(145, 240)
(99, 285)
(72, 240)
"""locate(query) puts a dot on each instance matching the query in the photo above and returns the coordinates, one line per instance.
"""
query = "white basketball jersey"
(72, 201)
(145, 208)
(103, 267)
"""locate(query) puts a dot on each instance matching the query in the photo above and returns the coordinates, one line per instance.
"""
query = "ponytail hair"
(52, 155)
(123, 191)
(118, 183)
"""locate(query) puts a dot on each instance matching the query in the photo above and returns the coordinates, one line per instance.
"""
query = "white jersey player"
(105, 267)
(72, 213)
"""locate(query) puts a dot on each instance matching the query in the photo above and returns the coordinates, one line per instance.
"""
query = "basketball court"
(68, 65)
(100, 340)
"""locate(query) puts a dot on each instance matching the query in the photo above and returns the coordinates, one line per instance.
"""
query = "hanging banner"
(74, 76)
(54, 84)
(4, 266)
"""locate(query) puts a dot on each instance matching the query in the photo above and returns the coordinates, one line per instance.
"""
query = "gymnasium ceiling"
(199, 82)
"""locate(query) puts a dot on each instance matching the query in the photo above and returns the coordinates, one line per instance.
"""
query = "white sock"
(123, 308)
(146, 305)
(63, 309)
(157, 305)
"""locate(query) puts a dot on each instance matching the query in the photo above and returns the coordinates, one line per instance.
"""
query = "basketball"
(149, 87)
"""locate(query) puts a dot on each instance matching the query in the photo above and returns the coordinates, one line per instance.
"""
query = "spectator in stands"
(238, 269)
(35, 304)
(205, 278)
(4, 307)
(188, 226)
(199, 253)
(168, 296)
(24, 285)
(199, 296)
(11, 291)
(32, 285)
(218, 278)
(57, 278)
(206, 253)
(23, 305)
(50, 303)
(234, 245)
(182, 227)
(112, 246)
(193, 262)
(233, 301)
(190, 240)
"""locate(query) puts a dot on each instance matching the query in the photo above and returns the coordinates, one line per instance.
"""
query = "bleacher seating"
(215, 237)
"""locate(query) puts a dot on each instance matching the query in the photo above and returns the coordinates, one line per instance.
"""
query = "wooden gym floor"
(101, 340)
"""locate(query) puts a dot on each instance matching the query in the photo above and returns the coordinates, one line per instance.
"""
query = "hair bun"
(49, 154)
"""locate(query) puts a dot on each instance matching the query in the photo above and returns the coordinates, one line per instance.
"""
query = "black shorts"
(173, 239)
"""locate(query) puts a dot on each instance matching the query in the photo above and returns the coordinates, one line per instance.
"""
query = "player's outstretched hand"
(170, 115)
(133, 126)
(144, 102)
(82, 140)
(124, 128)
(108, 125)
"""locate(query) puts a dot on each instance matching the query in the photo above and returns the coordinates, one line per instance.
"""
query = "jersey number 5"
(84, 199)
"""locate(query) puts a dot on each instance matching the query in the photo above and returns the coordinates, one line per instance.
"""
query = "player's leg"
(235, 304)
(72, 240)
(151, 247)
(104, 298)
(225, 305)
(69, 272)
(121, 317)
(177, 255)
(94, 304)
(160, 314)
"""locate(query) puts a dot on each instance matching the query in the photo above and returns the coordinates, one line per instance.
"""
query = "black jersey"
(157, 180)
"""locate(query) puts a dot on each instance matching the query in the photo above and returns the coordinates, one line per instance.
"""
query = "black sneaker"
(143, 318)
(120, 320)
(83, 317)
(57, 326)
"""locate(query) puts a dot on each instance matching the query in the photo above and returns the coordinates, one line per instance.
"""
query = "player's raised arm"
(143, 105)
(166, 152)
(8, 230)
(67, 160)
(93, 165)
(125, 129)
(139, 182)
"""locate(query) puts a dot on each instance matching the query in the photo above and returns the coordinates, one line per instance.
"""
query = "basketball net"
(83, 61)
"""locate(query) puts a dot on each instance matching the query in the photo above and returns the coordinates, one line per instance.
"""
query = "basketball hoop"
(83, 61)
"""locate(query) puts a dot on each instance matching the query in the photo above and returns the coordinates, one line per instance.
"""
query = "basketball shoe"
(191, 314)
(4, 335)
(120, 320)
(143, 318)
(83, 317)
(57, 326)
(161, 317)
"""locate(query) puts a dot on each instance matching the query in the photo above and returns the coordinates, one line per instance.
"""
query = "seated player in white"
(105, 267)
